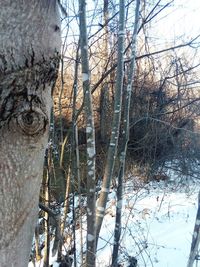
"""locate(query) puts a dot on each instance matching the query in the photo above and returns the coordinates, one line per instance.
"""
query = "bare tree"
(195, 238)
(125, 139)
(102, 201)
(151, 122)
(90, 135)
(104, 94)
(48, 164)
(29, 45)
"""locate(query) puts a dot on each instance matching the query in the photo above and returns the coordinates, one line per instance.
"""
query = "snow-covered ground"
(158, 221)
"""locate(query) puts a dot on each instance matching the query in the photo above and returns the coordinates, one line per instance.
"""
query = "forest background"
(126, 102)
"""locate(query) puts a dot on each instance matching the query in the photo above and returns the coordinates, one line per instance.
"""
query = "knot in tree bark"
(32, 122)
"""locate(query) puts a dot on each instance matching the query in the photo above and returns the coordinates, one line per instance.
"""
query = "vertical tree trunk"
(101, 205)
(90, 134)
(195, 237)
(125, 139)
(64, 217)
(46, 216)
(29, 45)
(37, 244)
(105, 94)
(75, 146)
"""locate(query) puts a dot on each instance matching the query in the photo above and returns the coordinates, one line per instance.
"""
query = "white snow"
(157, 225)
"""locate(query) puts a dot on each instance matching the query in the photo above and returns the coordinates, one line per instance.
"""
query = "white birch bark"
(108, 173)
(195, 238)
(29, 45)
(90, 135)
(125, 139)
(75, 145)
(46, 215)
(104, 94)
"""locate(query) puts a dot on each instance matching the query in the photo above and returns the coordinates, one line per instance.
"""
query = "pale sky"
(176, 24)
(181, 20)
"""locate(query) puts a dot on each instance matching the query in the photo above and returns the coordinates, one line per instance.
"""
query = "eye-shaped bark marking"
(32, 122)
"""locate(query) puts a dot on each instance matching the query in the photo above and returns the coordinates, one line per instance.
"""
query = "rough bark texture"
(29, 45)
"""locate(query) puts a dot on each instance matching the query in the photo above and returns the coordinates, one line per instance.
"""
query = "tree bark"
(195, 238)
(46, 203)
(90, 135)
(102, 201)
(76, 154)
(29, 45)
(104, 93)
(125, 139)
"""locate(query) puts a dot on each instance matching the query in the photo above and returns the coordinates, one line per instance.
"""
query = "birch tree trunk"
(125, 139)
(101, 205)
(104, 93)
(75, 146)
(29, 45)
(38, 255)
(195, 237)
(90, 134)
(48, 164)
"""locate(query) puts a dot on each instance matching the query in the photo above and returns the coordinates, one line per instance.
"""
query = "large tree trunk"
(29, 45)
